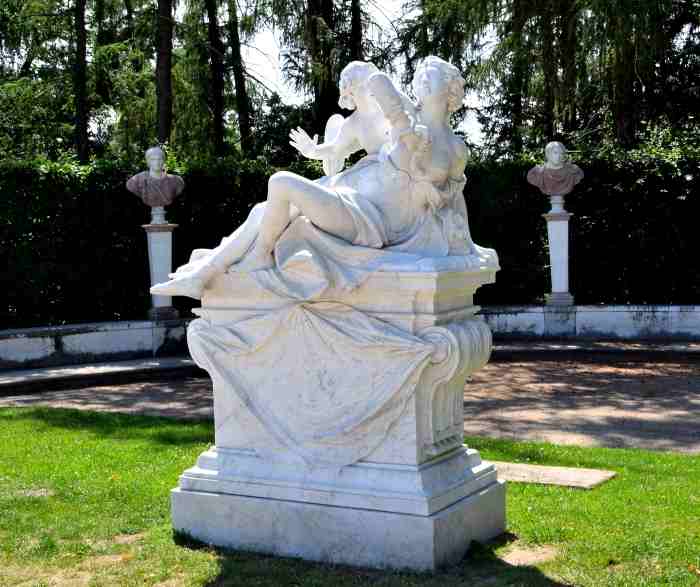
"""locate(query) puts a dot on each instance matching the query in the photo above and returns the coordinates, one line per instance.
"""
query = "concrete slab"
(562, 476)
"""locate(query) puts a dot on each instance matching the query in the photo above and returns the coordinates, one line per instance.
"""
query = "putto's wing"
(331, 166)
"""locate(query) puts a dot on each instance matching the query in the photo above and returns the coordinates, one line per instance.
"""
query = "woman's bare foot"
(187, 284)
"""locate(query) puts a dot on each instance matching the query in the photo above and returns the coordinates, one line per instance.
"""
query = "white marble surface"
(558, 234)
(160, 260)
(404, 198)
(346, 535)
(79, 343)
(20, 349)
(411, 489)
(658, 322)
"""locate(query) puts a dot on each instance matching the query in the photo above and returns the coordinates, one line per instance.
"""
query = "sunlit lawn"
(84, 499)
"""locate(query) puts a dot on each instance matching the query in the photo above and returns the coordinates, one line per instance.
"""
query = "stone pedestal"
(558, 235)
(416, 501)
(160, 262)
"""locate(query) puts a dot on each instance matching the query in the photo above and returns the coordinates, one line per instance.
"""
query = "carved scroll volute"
(434, 408)
(460, 349)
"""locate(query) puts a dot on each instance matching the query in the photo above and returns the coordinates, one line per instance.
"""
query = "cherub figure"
(325, 201)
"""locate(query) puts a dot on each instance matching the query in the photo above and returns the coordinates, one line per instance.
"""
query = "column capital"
(159, 227)
(557, 216)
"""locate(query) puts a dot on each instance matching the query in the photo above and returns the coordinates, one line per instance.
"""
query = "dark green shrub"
(75, 250)
(72, 238)
(633, 233)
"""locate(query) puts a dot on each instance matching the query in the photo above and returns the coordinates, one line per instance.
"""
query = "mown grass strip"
(84, 498)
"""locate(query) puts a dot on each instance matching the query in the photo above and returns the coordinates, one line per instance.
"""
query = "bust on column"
(158, 189)
(556, 178)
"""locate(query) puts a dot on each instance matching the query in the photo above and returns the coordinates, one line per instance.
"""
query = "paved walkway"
(41, 379)
(653, 405)
(618, 403)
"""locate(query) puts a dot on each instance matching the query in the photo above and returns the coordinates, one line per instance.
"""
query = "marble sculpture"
(557, 176)
(338, 327)
(155, 187)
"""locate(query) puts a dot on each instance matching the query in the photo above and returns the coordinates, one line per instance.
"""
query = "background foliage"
(76, 252)
(85, 80)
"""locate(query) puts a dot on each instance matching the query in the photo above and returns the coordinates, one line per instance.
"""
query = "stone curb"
(547, 475)
(114, 373)
(614, 351)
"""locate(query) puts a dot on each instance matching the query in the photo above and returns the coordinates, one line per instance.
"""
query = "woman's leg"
(191, 279)
(288, 195)
(321, 206)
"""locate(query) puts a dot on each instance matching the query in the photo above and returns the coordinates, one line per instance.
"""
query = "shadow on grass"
(480, 566)
(157, 430)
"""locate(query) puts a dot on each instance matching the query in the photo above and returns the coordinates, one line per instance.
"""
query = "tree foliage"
(564, 68)
(105, 76)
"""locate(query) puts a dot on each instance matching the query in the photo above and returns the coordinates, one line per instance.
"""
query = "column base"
(559, 299)
(161, 313)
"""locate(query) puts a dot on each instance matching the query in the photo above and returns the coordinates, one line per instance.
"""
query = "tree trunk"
(80, 83)
(624, 108)
(517, 77)
(549, 71)
(101, 79)
(356, 53)
(216, 76)
(164, 87)
(242, 100)
(319, 42)
(26, 69)
(129, 28)
(569, 50)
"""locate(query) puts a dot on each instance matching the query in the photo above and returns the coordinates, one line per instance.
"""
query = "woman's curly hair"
(451, 75)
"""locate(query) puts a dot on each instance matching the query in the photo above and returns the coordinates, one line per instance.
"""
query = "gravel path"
(641, 405)
(638, 405)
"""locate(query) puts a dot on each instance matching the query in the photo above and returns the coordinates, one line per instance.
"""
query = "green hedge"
(75, 250)
(73, 240)
(633, 233)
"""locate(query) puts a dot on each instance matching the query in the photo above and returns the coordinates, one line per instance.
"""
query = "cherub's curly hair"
(354, 74)
(451, 75)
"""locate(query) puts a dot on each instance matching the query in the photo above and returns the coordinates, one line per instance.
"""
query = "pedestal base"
(161, 313)
(390, 488)
(353, 536)
(559, 299)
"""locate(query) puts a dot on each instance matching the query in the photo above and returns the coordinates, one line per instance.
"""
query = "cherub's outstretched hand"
(303, 143)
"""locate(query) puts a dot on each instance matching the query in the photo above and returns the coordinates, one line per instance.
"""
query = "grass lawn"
(85, 500)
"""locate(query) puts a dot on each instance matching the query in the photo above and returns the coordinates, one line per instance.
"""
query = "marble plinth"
(416, 497)
(369, 538)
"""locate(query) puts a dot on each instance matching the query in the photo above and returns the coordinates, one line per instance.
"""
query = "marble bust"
(557, 177)
(155, 187)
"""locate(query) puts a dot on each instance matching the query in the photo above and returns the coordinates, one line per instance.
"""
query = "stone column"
(558, 233)
(160, 261)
